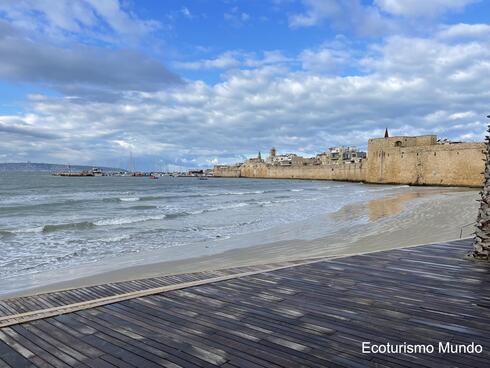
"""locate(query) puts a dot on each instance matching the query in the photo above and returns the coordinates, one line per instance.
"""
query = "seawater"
(49, 223)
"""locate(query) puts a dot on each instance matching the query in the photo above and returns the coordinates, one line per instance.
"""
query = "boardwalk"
(305, 315)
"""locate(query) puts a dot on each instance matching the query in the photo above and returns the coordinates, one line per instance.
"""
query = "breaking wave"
(129, 199)
(84, 225)
(128, 220)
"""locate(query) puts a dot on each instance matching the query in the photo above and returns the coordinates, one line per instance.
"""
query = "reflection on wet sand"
(389, 206)
(377, 209)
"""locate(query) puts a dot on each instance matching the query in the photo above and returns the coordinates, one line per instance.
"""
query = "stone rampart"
(396, 160)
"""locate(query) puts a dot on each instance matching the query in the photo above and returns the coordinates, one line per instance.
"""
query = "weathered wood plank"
(310, 315)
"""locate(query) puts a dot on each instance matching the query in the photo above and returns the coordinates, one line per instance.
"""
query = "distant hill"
(41, 167)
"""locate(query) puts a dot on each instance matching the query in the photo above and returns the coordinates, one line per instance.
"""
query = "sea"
(51, 223)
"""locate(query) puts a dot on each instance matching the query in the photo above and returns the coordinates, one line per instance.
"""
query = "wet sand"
(421, 215)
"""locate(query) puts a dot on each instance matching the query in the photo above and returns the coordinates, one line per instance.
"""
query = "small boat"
(153, 177)
(203, 178)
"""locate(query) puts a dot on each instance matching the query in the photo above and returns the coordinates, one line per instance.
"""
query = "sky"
(189, 84)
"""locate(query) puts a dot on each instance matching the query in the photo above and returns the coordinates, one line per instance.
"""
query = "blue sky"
(186, 84)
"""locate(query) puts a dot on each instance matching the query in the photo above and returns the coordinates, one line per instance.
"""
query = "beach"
(403, 216)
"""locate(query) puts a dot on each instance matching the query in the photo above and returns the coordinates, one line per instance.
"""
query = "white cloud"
(425, 8)
(236, 59)
(83, 17)
(236, 17)
(224, 61)
(381, 17)
(344, 16)
(79, 70)
(299, 103)
(409, 86)
(463, 30)
(328, 58)
(186, 12)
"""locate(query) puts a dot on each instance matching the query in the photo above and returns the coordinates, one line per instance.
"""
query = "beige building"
(420, 160)
(425, 161)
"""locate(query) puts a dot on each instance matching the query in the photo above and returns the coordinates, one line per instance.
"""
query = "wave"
(121, 199)
(185, 195)
(326, 187)
(76, 253)
(114, 239)
(199, 195)
(37, 229)
(243, 193)
(5, 233)
(128, 220)
(129, 199)
(177, 214)
(231, 206)
(84, 225)
(142, 207)
(264, 203)
(214, 209)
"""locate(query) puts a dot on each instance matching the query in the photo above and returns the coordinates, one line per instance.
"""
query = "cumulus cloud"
(32, 54)
(236, 59)
(26, 61)
(20, 128)
(344, 16)
(381, 17)
(463, 30)
(117, 100)
(92, 17)
(330, 57)
(224, 61)
(411, 85)
(416, 8)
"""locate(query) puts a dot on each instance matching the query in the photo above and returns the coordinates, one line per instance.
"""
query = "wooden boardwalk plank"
(23, 304)
(308, 315)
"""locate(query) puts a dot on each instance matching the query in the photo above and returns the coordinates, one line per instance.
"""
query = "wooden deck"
(315, 314)
(32, 303)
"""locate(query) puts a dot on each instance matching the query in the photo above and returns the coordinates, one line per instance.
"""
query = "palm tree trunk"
(481, 247)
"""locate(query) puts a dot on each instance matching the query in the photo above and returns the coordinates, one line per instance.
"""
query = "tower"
(386, 133)
(260, 156)
(273, 152)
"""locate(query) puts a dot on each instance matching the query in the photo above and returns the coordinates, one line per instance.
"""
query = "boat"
(153, 177)
(95, 171)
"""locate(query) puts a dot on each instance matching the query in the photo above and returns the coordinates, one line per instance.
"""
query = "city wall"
(395, 160)
(391, 160)
(350, 172)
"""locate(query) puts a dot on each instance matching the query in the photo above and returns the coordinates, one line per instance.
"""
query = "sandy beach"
(421, 215)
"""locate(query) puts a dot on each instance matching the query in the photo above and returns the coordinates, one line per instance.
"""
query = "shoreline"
(415, 185)
(394, 221)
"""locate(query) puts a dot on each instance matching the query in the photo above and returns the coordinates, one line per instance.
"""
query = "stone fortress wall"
(423, 161)
(420, 160)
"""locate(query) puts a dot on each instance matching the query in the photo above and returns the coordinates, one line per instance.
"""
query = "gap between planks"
(11, 320)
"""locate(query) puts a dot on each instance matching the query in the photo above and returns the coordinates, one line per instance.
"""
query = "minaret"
(481, 247)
